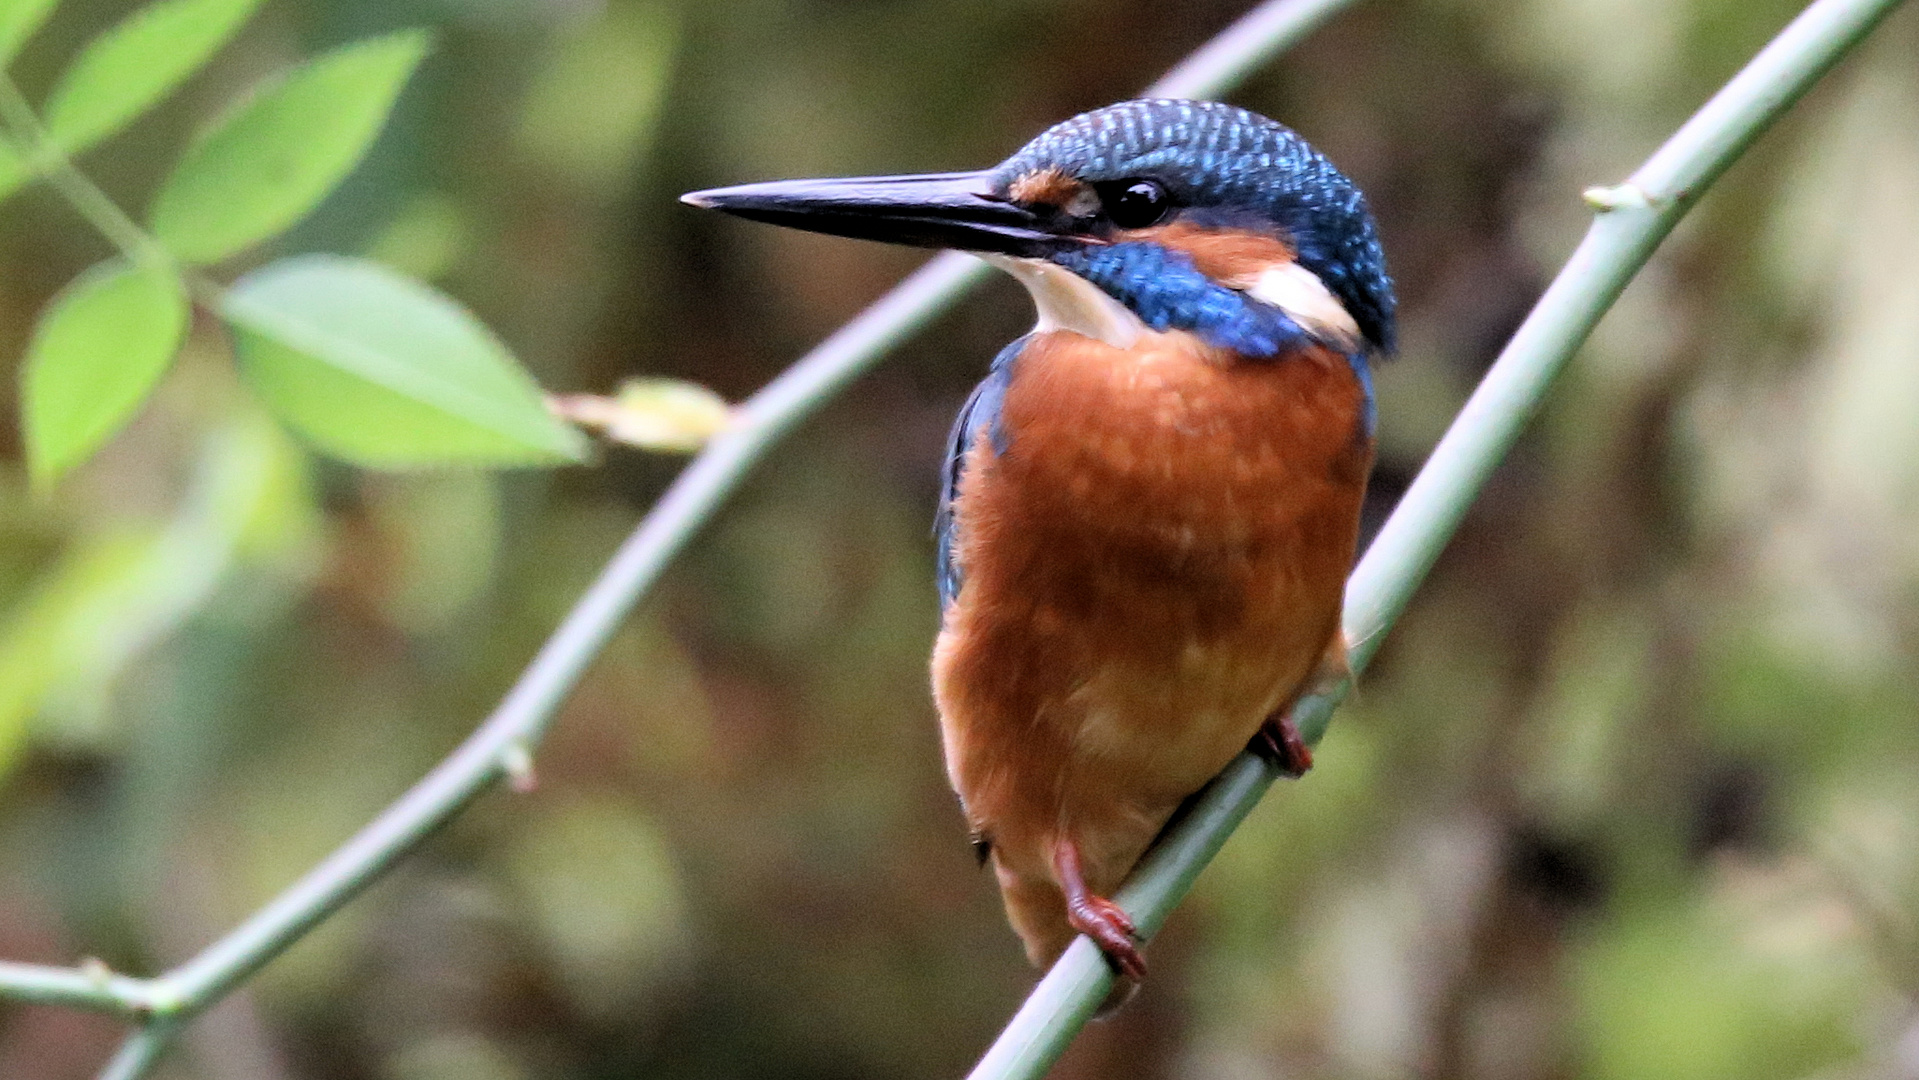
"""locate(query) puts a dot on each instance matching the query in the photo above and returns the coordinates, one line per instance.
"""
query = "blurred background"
(1632, 791)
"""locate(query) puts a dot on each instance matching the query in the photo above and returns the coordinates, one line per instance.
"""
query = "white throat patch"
(1067, 301)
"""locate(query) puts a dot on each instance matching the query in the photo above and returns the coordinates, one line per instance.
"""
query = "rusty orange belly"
(1153, 565)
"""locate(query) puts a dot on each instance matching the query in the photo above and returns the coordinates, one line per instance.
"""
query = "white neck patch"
(1299, 293)
(1067, 301)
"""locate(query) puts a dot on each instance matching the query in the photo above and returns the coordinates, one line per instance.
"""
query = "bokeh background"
(1632, 791)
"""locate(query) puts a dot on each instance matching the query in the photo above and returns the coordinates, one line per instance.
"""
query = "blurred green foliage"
(1628, 793)
(368, 364)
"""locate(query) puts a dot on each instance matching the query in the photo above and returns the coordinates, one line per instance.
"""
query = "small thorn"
(517, 762)
(96, 971)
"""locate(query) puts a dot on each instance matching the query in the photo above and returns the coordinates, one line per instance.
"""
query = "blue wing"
(981, 412)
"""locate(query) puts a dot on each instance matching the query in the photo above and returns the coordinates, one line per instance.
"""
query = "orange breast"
(1153, 566)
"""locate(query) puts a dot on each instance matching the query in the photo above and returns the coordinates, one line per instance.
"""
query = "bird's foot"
(1112, 930)
(1279, 742)
(1097, 917)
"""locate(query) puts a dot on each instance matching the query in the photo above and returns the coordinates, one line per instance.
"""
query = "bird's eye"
(1135, 204)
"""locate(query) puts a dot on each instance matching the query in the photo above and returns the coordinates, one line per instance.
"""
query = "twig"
(137, 1056)
(89, 986)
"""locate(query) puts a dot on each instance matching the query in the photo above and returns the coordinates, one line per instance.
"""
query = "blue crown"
(1227, 165)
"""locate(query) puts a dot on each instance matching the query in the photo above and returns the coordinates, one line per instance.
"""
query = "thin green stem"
(44, 156)
(88, 987)
(504, 742)
(1633, 218)
(1244, 47)
(140, 1052)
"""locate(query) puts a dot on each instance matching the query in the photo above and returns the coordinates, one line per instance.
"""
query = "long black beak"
(939, 210)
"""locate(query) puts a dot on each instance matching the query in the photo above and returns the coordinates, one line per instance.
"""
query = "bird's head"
(1160, 215)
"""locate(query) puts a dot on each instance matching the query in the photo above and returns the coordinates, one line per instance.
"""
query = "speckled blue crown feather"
(1222, 160)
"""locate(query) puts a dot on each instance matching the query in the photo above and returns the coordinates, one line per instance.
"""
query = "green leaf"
(275, 156)
(132, 66)
(18, 20)
(100, 347)
(382, 370)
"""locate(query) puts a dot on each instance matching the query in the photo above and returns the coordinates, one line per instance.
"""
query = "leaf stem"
(45, 158)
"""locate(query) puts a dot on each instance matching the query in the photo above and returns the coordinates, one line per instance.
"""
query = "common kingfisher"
(1152, 500)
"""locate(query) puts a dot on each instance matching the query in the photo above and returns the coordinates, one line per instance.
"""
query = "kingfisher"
(1151, 502)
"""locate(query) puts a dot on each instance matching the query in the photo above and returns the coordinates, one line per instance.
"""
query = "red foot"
(1097, 917)
(1279, 742)
(1103, 921)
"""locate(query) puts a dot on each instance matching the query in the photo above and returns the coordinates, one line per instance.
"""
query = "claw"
(1112, 930)
(1279, 742)
(1097, 917)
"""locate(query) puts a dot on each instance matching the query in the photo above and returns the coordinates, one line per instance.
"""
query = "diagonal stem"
(141, 1051)
(45, 158)
(1633, 218)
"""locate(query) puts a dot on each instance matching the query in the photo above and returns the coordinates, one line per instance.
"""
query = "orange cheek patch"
(1231, 257)
(1050, 186)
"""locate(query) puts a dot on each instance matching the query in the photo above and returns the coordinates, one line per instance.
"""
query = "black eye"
(1134, 204)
